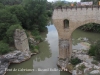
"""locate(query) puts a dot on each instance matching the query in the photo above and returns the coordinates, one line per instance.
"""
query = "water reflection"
(47, 58)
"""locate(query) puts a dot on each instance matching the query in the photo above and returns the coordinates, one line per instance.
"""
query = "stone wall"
(77, 17)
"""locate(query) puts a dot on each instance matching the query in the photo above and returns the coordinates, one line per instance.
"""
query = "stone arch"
(82, 24)
(66, 23)
(79, 25)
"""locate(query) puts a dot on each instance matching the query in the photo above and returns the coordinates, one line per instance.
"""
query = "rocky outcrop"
(21, 54)
(95, 72)
(13, 57)
(62, 64)
(21, 41)
(88, 68)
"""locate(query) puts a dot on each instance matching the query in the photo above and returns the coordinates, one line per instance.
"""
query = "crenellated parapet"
(77, 7)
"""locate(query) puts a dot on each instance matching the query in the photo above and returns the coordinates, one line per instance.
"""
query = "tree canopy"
(27, 14)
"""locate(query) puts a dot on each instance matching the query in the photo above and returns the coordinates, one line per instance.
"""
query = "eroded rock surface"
(13, 57)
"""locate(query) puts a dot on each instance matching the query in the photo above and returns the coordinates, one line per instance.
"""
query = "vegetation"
(82, 67)
(95, 50)
(91, 51)
(95, 62)
(92, 27)
(31, 15)
(38, 38)
(10, 33)
(75, 61)
(34, 48)
(4, 48)
(11, 2)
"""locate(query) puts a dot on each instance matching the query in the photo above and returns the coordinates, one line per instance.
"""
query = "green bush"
(4, 48)
(75, 61)
(95, 62)
(10, 33)
(97, 50)
(91, 51)
(49, 13)
(34, 48)
(82, 67)
(38, 38)
(92, 27)
(35, 32)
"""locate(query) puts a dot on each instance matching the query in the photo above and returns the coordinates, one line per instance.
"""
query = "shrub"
(35, 32)
(97, 50)
(34, 48)
(75, 61)
(10, 32)
(38, 38)
(82, 67)
(95, 62)
(91, 51)
(4, 48)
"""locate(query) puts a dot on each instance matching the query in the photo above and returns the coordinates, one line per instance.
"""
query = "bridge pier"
(64, 52)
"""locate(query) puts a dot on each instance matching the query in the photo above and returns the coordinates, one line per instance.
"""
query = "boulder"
(95, 72)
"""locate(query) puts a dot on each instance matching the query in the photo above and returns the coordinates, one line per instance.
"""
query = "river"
(48, 56)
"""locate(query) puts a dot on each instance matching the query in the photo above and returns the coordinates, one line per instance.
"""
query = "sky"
(66, 0)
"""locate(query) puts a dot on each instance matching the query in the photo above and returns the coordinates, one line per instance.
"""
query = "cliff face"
(21, 41)
(21, 54)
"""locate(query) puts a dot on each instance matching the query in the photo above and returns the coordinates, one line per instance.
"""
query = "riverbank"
(13, 57)
(88, 65)
(48, 56)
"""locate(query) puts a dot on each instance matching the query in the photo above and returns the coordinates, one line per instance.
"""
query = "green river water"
(48, 56)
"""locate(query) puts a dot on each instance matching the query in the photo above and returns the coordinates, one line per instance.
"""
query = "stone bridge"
(67, 19)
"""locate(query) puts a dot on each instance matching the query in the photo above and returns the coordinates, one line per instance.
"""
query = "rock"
(85, 39)
(12, 57)
(62, 64)
(74, 72)
(95, 72)
(21, 40)
(32, 41)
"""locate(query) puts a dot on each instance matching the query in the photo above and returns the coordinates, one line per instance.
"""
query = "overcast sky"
(66, 0)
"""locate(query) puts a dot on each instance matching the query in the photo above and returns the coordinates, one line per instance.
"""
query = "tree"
(7, 17)
(20, 13)
(6, 20)
(4, 48)
(37, 14)
(11, 2)
(10, 32)
(93, 27)
(2, 6)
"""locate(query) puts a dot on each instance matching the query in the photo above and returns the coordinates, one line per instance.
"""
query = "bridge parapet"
(76, 7)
